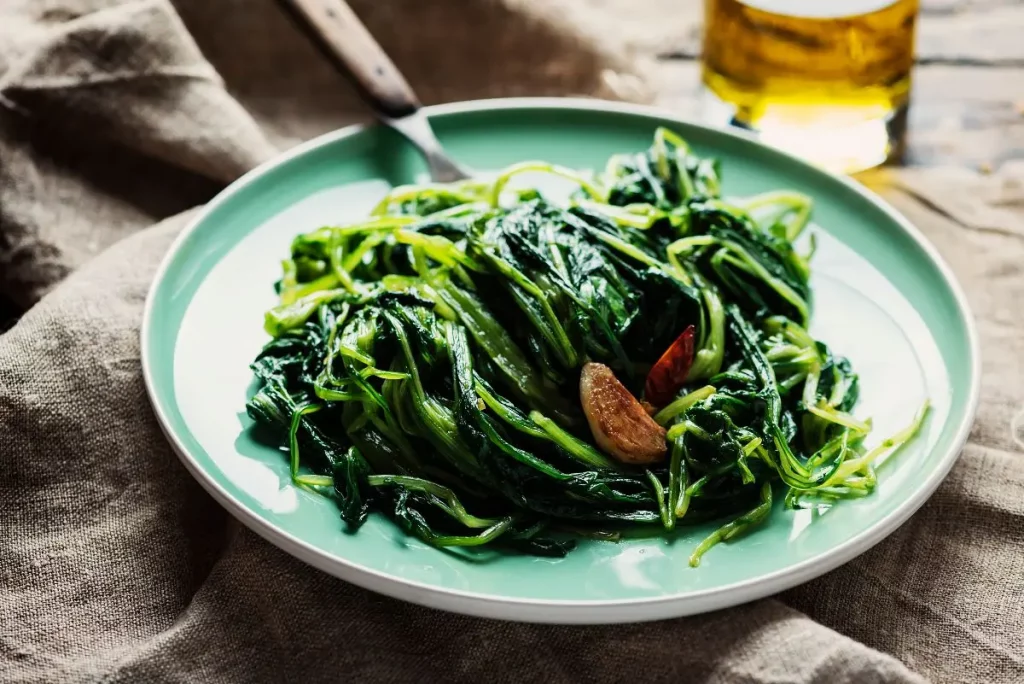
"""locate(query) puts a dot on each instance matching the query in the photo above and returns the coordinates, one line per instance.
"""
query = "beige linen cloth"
(116, 567)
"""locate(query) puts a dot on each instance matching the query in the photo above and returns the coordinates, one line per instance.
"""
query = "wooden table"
(968, 95)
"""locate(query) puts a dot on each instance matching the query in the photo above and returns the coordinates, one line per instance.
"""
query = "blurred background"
(160, 103)
(968, 71)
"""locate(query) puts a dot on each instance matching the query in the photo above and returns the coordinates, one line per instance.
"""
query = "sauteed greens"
(485, 365)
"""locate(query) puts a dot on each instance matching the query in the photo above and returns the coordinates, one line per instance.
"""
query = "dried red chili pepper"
(669, 373)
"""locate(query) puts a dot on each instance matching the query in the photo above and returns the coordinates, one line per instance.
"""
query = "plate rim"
(604, 611)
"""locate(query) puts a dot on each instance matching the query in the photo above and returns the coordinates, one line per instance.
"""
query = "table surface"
(967, 105)
(968, 84)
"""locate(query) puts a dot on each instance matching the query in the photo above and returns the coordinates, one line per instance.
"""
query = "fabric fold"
(132, 73)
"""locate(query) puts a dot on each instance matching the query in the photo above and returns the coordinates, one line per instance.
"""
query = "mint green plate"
(882, 295)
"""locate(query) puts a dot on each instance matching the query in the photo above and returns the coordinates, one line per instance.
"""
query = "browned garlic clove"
(619, 423)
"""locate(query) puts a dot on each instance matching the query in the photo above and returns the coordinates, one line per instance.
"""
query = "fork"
(345, 41)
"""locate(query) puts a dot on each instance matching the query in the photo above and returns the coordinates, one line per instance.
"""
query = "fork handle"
(337, 32)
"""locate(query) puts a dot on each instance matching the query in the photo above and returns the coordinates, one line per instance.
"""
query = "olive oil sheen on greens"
(828, 80)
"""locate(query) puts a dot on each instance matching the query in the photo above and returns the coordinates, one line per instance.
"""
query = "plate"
(883, 297)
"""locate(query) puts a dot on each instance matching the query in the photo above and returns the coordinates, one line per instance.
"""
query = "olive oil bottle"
(828, 80)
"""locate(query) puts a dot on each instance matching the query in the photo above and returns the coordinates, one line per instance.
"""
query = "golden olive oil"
(828, 80)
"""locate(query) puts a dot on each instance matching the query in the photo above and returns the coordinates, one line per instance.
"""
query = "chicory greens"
(425, 362)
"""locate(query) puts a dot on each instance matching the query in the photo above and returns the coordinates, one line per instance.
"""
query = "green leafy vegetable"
(425, 363)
